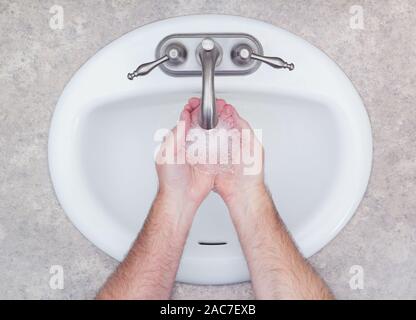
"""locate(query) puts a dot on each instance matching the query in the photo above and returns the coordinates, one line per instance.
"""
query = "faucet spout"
(209, 55)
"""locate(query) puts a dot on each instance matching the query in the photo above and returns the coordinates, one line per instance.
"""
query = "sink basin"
(316, 135)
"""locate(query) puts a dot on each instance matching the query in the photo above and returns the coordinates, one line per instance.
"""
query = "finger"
(228, 110)
(187, 108)
(193, 108)
(194, 103)
(226, 116)
(220, 103)
(185, 116)
(239, 121)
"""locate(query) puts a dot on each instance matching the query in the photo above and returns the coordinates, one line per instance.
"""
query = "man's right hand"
(247, 178)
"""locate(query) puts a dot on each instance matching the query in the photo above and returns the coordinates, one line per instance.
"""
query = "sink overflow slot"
(205, 243)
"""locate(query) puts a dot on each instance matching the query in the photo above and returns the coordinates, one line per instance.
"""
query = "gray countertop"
(37, 62)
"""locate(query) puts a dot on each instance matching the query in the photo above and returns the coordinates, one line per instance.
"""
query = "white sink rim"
(69, 110)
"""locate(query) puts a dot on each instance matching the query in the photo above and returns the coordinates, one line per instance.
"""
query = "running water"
(211, 150)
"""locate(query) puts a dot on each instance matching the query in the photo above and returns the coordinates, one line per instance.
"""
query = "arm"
(149, 270)
(278, 270)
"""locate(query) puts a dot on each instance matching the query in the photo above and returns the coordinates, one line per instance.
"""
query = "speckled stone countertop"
(37, 61)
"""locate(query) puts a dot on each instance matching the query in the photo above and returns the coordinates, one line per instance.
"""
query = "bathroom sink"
(316, 135)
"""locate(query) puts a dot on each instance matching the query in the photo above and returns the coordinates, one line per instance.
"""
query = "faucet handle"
(175, 54)
(242, 55)
(145, 68)
(275, 62)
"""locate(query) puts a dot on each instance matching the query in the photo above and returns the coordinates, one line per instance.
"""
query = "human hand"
(242, 176)
(179, 180)
(246, 179)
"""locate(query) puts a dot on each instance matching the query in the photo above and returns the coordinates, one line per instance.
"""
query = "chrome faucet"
(209, 55)
(243, 56)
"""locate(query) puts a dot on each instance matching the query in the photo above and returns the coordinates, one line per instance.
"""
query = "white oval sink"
(316, 135)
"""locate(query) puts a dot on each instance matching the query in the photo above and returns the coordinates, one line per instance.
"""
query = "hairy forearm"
(149, 270)
(278, 270)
